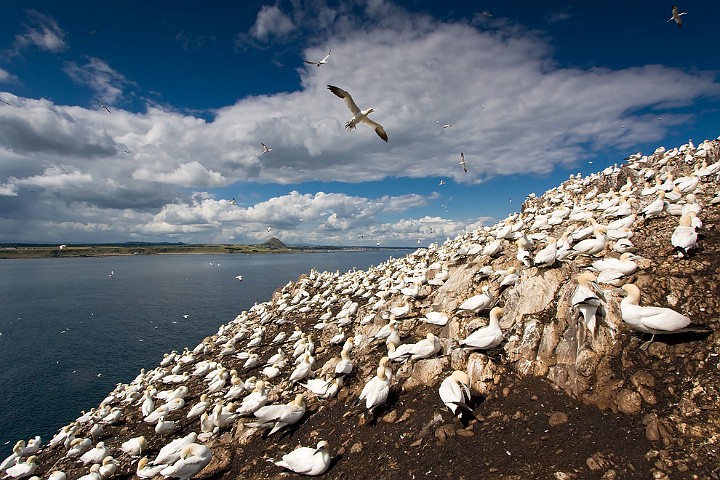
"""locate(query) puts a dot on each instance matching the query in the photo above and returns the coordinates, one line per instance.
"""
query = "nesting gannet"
(399, 353)
(22, 468)
(78, 446)
(684, 237)
(148, 471)
(13, 457)
(345, 365)
(654, 320)
(425, 348)
(592, 246)
(102, 105)
(193, 458)
(95, 455)
(548, 255)
(359, 116)
(94, 473)
(108, 468)
(266, 149)
(436, 318)
(135, 446)
(586, 300)
(676, 16)
(279, 416)
(306, 460)
(164, 427)
(376, 390)
(324, 388)
(486, 337)
(624, 264)
(255, 400)
(455, 392)
(170, 453)
(57, 475)
(462, 162)
(476, 303)
(302, 370)
(321, 62)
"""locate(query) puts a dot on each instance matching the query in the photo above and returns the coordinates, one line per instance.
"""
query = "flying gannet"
(321, 62)
(266, 149)
(462, 162)
(676, 16)
(359, 116)
(102, 105)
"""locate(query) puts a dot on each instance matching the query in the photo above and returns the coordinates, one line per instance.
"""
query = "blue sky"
(535, 91)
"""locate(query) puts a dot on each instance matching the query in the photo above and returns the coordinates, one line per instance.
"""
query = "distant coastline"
(28, 250)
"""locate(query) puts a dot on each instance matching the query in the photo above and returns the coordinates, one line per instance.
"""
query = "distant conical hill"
(274, 244)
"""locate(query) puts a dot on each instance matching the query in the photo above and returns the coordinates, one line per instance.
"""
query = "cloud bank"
(81, 173)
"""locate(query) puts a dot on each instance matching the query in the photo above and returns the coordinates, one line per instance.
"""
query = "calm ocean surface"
(69, 332)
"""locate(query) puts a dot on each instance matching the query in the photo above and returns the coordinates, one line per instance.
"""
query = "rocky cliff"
(565, 395)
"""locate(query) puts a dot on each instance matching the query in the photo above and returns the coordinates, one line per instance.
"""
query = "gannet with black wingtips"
(455, 392)
(359, 116)
(654, 320)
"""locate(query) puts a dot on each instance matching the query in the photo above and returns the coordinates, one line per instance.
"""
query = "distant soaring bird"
(359, 116)
(321, 62)
(266, 149)
(102, 105)
(462, 162)
(676, 16)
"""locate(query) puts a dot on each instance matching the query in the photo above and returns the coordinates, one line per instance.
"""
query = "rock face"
(561, 397)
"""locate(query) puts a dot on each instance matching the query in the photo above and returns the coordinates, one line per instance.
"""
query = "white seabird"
(279, 416)
(321, 62)
(486, 337)
(147, 471)
(254, 401)
(684, 237)
(266, 149)
(654, 320)
(676, 16)
(455, 391)
(22, 468)
(462, 162)
(135, 446)
(376, 390)
(359, 116)
(586, 300)
(476, 303)
(193, 458)
(170, 453)
(306, 460)
(95, 455)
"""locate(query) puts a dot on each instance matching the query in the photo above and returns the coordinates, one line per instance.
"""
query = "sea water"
(73, 328)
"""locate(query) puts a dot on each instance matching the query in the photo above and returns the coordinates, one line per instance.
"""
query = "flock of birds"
(228, 382)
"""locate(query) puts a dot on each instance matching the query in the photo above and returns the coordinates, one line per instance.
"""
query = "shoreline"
(97, 251)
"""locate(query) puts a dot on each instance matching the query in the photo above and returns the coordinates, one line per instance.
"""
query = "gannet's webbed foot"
(645, 345)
